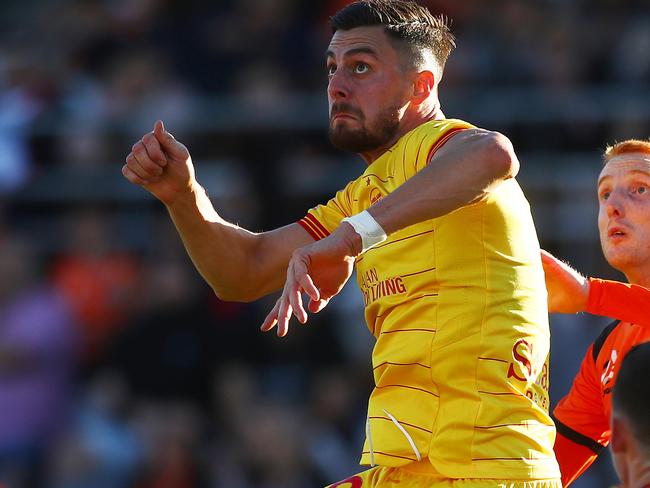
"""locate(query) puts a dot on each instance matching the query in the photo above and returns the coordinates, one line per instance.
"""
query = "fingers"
(290, 302)
(271, 319)
(154, 151)
(307, 284)
(152, 167)
(168, 143)
(134, 166)
(316, 306)
(279, 316)
(133, 177)
(284, 314)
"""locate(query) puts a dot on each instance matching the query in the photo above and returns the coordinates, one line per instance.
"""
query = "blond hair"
(626, 147)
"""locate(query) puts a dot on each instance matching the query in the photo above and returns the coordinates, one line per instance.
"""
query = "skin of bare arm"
(568, 290)
(238, 264)
(464, 171)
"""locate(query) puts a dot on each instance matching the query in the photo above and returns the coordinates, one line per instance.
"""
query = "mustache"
(344, 107)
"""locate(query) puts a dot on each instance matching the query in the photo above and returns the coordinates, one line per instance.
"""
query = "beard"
(367, 137)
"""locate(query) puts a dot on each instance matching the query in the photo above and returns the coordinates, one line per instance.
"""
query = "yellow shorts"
(383, 477)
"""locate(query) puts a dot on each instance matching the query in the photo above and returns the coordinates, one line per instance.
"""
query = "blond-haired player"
(583, 416)
(445, 252)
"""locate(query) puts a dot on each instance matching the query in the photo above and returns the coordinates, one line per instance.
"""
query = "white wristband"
(367, 227)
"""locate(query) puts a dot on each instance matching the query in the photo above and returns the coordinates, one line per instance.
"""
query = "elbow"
(234, 292)
(499, 156)
(241, 296)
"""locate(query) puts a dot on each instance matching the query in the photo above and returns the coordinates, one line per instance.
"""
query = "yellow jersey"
(457, 305)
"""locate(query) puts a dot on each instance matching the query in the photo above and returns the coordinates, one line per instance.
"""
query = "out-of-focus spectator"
(168, 349)
(99, 281)
(172, 433)
(37, 352)
(19, 106)
(335, 424)
(101, 448)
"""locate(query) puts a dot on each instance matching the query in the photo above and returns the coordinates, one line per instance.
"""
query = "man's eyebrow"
(602, 178)
(352, 52)
(640, 172)
(634, 172)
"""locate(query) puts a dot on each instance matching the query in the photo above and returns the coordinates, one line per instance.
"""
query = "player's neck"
(407, 124)
(639, 277)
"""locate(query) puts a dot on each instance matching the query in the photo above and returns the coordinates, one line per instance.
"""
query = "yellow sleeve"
(321, 220)
(433, 139)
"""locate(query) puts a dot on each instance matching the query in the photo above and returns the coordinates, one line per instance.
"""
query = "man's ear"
(620, 435)
(424, 84)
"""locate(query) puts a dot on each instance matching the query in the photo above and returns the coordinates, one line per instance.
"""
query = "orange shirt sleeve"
(580, 421)
(629, 303)
(573, 458)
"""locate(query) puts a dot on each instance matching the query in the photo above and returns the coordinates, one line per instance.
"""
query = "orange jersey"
(582, 417)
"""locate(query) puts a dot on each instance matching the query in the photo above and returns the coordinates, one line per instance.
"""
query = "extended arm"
(570, 292)
(464, 171)
(238, 264)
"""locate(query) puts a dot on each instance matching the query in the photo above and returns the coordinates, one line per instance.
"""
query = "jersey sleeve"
(573, 458)
(580, 420)
(434, 140)
(322, 220)
(629, 303)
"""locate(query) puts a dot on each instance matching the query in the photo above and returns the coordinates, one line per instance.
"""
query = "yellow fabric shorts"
(384, 477)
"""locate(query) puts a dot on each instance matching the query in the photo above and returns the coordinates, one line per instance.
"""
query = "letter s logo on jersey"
(522, 351)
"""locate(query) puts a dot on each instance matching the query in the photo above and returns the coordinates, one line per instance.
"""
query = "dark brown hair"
(403, 20)
(631, 394)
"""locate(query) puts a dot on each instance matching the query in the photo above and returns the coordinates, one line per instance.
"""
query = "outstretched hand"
(320, 270)
(568, 290)
(160, 164)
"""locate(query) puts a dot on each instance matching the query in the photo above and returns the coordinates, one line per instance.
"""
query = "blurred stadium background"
(118, 367)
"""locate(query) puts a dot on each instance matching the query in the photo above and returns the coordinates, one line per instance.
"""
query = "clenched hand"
(161, 165)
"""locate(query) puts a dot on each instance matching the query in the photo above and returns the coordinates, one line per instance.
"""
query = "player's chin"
(347, 139)
(619, 257)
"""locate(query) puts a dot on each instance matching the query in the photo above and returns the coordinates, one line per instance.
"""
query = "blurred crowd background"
(118, 366)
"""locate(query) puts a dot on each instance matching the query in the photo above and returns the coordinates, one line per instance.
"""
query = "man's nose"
(614, 205)
(338, 88)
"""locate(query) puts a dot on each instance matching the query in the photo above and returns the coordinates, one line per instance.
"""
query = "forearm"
(223, 253)
(463, 172)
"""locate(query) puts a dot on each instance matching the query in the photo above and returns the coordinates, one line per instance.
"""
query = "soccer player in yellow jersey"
(445, 252)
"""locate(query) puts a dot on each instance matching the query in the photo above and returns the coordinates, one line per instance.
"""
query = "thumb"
(167, 141)
(316, 306)
(547, 258)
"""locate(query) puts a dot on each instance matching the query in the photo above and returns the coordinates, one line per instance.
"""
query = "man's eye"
(641, 190)
(604, 195)
(330, 70)
(361, 68)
